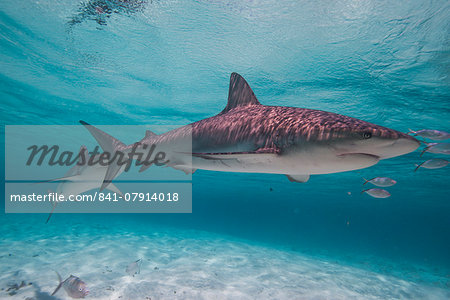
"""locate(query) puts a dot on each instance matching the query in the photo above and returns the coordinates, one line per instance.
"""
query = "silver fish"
(436, 135)
(434, 163)
(381, 181)
(134, 268)
(438, 148)
(377, 193)
(73, 285)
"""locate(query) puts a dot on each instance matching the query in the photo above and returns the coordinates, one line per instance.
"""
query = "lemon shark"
(249, 137)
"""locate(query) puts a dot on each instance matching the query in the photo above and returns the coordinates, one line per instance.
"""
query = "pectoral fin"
(186, 170)
(298, 178)
(59, 285)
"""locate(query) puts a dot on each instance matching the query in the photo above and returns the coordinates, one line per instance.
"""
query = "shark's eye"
(81, 289)
(367, 135)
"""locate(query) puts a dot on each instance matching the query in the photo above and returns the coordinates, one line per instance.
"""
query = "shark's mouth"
(346, 154)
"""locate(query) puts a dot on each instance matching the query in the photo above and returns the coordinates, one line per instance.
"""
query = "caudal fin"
(110, 145)
(54, 203)
(107, 142)
(366, 181)
(411, 131)
(59, 285)
(424, 150)
(51, 213)
(417, 167)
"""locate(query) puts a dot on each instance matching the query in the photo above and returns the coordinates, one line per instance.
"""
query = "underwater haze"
(249, 236)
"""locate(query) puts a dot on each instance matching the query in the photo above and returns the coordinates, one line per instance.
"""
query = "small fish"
(73, 285)
(438, 148)
(377, 193)
(431, 134)
(93, 9)
(434, 163)
(381, 181)
(99, 10)
(134, 268)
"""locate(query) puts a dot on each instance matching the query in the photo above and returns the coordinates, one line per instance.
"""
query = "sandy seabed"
(176, 264)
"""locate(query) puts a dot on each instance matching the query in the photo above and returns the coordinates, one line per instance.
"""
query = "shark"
(247, 136)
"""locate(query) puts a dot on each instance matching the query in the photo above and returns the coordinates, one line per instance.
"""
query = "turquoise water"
(168, 63)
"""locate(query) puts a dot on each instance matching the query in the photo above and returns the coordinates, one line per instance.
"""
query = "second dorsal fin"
(149, 134)
(239, 93)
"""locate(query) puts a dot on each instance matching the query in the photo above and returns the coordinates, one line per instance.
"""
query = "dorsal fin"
(239, 93)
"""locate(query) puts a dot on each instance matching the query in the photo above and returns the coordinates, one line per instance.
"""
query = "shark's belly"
(304, 162)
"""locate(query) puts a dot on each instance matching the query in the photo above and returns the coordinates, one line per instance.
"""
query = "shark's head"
(349, 135)
(322, 135)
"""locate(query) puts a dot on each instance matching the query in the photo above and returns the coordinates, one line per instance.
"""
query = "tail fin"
(417, 167)
(110, 145)
(429, 145)
(411, 131)
(366, 180)
(54, 203)
(83, 156)
(59, 285)
(424, 150)
(107, 142)
(50, 214)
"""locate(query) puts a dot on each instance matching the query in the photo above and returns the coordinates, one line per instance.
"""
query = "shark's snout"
(403, 145)
(391, 144)
(398, 144)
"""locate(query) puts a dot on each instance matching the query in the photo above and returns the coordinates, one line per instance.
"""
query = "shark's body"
(249, 137)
